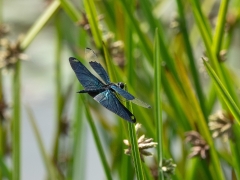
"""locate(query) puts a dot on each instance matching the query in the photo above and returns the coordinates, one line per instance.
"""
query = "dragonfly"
(104, 92)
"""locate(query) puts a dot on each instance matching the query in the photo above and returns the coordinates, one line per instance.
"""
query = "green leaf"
(92, 18)
(223, 92)
(16, 123)
(158, 100)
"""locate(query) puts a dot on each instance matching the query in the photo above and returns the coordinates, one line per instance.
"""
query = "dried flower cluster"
(10, 53)
(84, 23)
(168, 168)
(221, 125)
(199, 145)
(64, 126)
(4, 29)
(143, 144)
(116, 49)
(175, 24)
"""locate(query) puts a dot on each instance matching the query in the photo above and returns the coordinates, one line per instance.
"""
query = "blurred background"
(60, 134)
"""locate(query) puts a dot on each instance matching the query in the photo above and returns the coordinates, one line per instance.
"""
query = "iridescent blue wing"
(90, 55)
(85, 77)
(129, 97)
(101, 71)
(122, 92)
(111, 102)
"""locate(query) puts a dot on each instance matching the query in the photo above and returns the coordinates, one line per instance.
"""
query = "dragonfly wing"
(111, 102)
(122, 92)
(140, 103)
(101, 71)
(86, 78)
(130, 97)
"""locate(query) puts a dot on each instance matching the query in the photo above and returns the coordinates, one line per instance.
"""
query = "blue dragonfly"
(106, 93)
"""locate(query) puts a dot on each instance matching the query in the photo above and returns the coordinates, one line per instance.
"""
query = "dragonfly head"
(121, 85)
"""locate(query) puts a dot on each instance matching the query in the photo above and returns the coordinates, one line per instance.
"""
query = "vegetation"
(181, 65)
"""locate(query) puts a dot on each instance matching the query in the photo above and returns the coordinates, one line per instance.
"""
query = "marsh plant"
(179, 56)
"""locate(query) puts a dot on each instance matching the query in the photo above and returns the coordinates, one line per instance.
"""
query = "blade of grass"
(215, 166)
(58, 90)
(134, 148)
(211, 98)
(79, 148)
(129, 54)
(235, 148)
(224, 93)
(158, 100)
(109, 64)
(189, 52)
(5, 172)
(97, 141)
(71, 11)
(47, 162)
(220, 71)
(92, 18)
(220, 25)
(206, 24)
(145, 42)
(174, 102)
(154, 23)
(2, 130)
(78, 158)
(16, 123)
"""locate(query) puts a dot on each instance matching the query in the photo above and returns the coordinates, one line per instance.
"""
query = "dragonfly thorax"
(121, 85)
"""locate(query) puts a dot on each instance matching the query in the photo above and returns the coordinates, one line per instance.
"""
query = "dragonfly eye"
(121, 85)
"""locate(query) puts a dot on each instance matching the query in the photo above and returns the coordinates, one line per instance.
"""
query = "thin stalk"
(40, 23)
(16, 123)
(219, 31)
(206, 24)
(147, 47)
(2, 144)
(58, 90)
(235, 148)
(92, 18)
(158, 100)
(189, 52)
(134, 146)
(224, 93)
(70, 9)
(98, 143)
(135, 151)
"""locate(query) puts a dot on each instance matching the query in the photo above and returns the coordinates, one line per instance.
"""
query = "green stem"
(98, 143)
(158, 101)
(59, 97)
(92, 18)
(219, 31)
(16, 123)
(189, 50)
(147, 47)
(134, 146)
(40, 23)
(2, 144)
(70, 9)
(135, 151)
